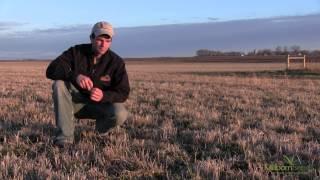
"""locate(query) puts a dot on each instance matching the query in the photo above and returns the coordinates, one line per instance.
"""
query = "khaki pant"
(70, 103)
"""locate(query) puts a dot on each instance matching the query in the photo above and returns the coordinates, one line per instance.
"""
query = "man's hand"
(96, 94)
(84, 82)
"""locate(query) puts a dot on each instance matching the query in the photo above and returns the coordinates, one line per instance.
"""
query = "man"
(90, 81)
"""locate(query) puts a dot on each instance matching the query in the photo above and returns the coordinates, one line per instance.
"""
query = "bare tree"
(203, 52)
(295, 49)
(278, 50)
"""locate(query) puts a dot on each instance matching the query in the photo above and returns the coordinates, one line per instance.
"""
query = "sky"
(25, 25)
(41, 14)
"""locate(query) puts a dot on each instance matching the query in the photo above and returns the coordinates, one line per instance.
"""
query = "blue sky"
(44, 29)
(41, 14)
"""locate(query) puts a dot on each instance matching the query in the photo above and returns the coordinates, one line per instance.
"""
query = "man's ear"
(92, 36)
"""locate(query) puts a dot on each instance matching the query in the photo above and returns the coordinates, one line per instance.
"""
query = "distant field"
(190, 121)
(202, 67)
(228, 59)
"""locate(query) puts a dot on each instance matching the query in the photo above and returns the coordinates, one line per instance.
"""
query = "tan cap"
(101, 28)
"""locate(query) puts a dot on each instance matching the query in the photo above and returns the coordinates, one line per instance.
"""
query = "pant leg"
(107, 115)
(64, 95)
(69, 102)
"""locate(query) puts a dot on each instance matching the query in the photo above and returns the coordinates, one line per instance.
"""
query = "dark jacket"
(109, 74)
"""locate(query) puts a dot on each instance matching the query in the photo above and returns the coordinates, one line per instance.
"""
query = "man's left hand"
(96, 94)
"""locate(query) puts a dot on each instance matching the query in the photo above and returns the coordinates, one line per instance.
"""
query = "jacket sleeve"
(61, 67)
(120, 87)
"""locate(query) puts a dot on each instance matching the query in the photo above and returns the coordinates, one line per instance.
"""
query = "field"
(189, 121)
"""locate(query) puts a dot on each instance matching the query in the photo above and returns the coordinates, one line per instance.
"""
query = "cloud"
(25, 54)
(213, 19)
(164, 19)
(65, 29)
(14, 28)
(5, 25)
(172, 40)
(283, 19)
(42, 43)
(58, 31)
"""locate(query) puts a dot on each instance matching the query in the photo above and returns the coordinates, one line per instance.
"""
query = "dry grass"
(188, 123)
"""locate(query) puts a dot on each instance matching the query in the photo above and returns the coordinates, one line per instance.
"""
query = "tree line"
(279, 50)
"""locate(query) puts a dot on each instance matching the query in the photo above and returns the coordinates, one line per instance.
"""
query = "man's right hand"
(84, 82)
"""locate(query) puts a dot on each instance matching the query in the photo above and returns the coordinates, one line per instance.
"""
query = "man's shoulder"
(116, 58)
(82, 47)
(80, 50)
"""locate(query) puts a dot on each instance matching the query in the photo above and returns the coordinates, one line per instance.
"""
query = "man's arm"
(60, 68)
(120, 89)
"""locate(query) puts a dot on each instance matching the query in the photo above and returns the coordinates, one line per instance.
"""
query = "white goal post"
(296, 57)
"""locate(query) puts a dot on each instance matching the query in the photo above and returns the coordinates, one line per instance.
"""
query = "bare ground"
(189, 122)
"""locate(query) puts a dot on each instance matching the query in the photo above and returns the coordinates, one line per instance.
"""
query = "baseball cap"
(101, 28)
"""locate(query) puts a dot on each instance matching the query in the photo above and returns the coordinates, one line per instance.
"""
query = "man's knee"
(121, 113)
(116, 114)
(60, 92)
(59, 86)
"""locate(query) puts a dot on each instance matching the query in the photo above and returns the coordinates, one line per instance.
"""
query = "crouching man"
(90, 81)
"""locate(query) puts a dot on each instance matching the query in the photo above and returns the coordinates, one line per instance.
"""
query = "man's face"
(101, 44)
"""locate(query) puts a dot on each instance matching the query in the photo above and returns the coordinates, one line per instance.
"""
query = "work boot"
(62, 143)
